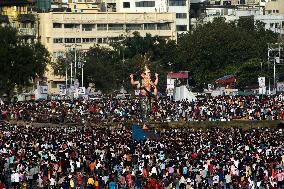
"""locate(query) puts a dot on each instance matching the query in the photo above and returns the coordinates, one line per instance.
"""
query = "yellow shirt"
(96, 183)
(91, 181)
(72, 183)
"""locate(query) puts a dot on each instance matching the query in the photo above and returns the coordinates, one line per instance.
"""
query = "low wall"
(244, 124)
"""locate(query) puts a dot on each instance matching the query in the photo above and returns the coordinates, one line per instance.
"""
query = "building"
(236, 2)
(274, 7)
(182, 9)
(179, 7)
(18, 15)
(85, 6)
(59, 31)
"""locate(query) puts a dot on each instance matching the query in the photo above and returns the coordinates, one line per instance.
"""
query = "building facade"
(60, 31)
(179, 7)
(18, 15)
(274, 7)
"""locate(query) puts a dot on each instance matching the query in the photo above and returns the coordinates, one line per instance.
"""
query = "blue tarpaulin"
(138, 133)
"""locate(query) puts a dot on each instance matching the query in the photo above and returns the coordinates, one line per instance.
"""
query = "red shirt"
(2, 186)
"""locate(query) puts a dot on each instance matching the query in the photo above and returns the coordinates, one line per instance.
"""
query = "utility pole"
(274, 55)
(82, 69)
(75, 63)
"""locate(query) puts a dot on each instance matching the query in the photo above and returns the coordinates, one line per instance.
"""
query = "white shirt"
(52, 182)
(154, 170)
(13, 177)
(216, 179)
(17, 177)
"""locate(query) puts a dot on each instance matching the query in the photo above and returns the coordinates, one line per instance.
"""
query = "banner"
(177, 75)
(76, 83)
(62, 90)
(81, 90)
(72, 90)
(280, 86)
(43, 89)
(170, 87)
(261, 82)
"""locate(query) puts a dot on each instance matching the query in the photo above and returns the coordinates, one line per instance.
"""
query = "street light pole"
(82, 69)
(66, 77)
(75, 63)
(71, 74)
(274, 76)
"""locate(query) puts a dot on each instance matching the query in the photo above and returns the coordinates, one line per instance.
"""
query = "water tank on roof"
(43, 5)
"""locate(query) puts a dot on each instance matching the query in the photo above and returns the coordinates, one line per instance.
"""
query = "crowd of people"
(108, 157)
(72, 157)
(111, 110)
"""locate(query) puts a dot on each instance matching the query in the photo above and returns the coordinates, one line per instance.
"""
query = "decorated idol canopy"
(226, 80)
(178, 75)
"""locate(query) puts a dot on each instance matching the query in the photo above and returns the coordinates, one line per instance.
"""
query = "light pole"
(82, 69)
(75, 62)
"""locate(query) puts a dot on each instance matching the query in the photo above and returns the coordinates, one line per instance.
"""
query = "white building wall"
(274, 23)
(160, 6)
(181, 21)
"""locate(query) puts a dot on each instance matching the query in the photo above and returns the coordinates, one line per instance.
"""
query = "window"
(57, 25)
(177, 3)
(88, 27)
(58, 40)
(89, 40)
(149, 26)
(93, 40)
(115, 27)
(277, 11)
(113, 39)
(181, 15)
(126, 4)
(164, 26)
(72, 26)
(181, 27)
(271, 25)
(269, 11)
(102, 27)
(100, 40)
(24, 25)
(134, 26)
(78, 40)
(53, 84)
(105, 40)
(145, 4)
(69, 40)
(86, 40)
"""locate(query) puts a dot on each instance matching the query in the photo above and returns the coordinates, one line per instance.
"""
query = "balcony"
(26, 18)
(4, 19)
(27, 32)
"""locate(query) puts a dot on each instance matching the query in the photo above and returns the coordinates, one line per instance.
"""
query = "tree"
(161, 54)
(103, 68)
(219, 48)
(20, 62)
(109, 68)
